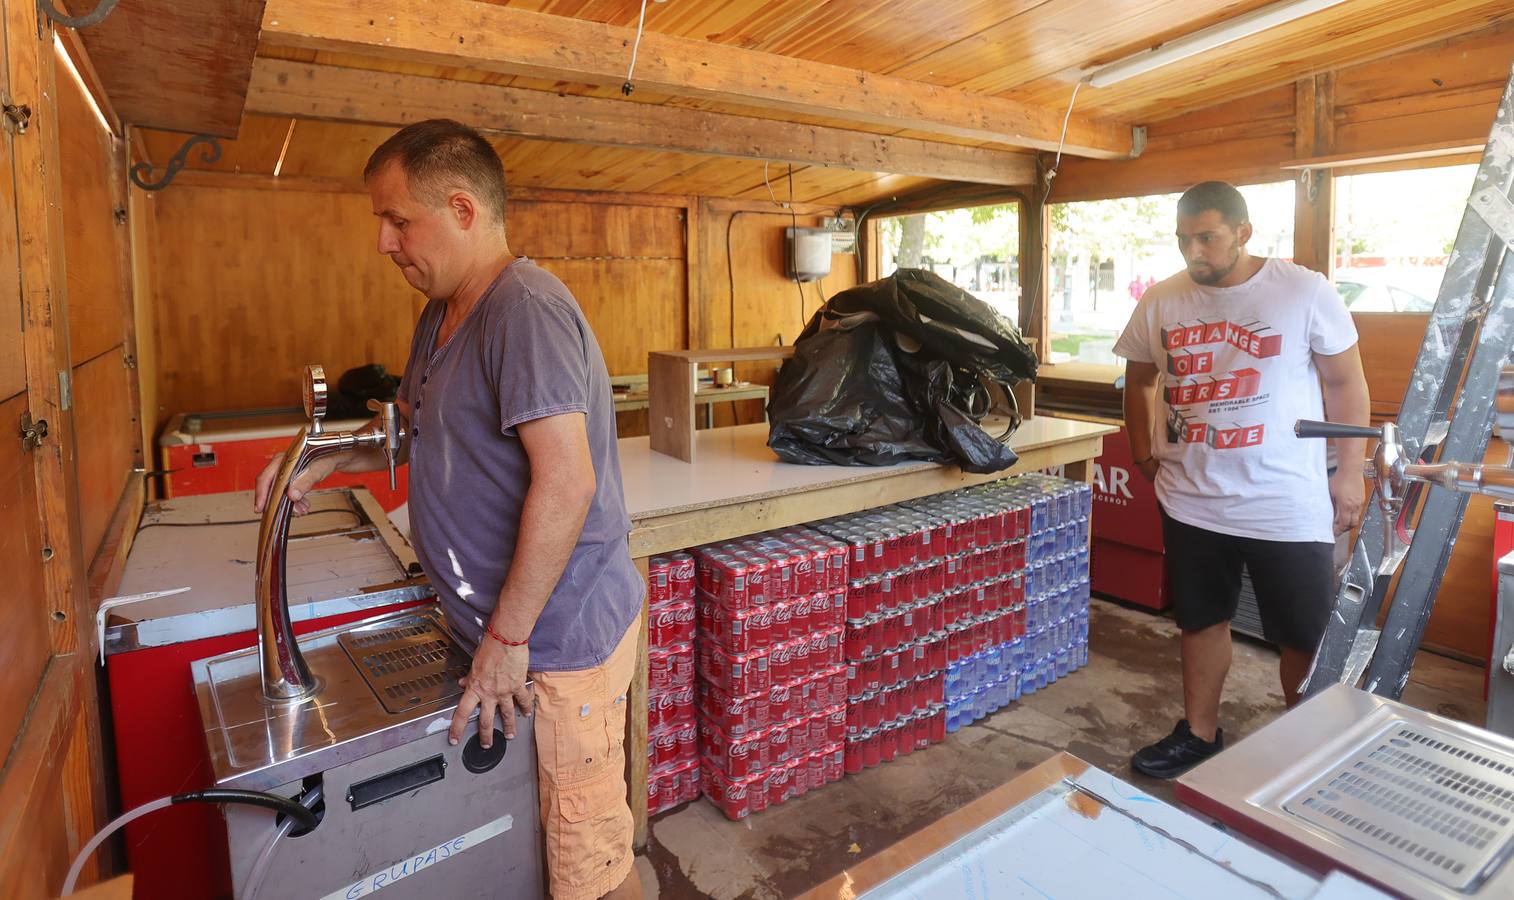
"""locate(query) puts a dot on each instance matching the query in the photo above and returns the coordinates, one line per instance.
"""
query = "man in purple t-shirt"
(516, 508)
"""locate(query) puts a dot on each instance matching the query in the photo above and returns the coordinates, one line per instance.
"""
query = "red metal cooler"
(1127, 560)
(211, 453)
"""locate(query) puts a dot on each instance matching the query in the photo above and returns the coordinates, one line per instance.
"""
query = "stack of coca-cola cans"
(771, 692)
(673, 735)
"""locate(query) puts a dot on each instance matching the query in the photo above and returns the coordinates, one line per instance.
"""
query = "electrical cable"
(215, 795)
(641, 22)
(1035, 294)
(794, 226)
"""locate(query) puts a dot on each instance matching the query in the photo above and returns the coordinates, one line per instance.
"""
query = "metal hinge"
(32, 433)
(128, 361)
(15, 118)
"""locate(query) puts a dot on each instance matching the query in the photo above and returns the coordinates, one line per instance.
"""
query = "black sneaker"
(1176, 753)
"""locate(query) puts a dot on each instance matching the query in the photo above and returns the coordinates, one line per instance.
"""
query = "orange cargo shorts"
(580, 759)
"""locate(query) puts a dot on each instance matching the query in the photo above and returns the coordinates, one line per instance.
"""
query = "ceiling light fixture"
(1207, 39)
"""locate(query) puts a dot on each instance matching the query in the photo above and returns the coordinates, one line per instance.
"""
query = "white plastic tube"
(260, 866)
(102, 834)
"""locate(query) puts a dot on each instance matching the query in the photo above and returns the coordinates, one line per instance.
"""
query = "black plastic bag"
(356, 387)
(896, 370)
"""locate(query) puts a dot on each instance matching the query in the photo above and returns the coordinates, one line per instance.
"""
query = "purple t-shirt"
(524, 352)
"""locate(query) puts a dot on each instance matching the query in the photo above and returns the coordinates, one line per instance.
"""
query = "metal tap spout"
(286, 677)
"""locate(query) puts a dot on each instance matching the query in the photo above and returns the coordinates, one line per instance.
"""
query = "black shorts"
(1294, 582)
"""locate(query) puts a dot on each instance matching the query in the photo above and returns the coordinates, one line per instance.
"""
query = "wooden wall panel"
(97, 290)
(249, 286)
(765, 307)
(240, 307)
(634, 306)
(107, 426)
(143, 227)
(1389, 344)
(24, 643)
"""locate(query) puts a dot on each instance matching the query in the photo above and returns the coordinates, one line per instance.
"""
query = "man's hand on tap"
(316, 472)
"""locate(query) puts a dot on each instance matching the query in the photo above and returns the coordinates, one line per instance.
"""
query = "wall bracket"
(141, 171)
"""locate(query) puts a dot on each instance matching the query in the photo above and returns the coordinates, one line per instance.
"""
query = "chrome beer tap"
(286, 678)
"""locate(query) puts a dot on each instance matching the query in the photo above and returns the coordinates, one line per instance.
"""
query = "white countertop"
(735, 464)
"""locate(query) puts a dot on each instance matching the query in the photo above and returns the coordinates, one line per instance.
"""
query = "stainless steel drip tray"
(383, 682)
(1418, 803)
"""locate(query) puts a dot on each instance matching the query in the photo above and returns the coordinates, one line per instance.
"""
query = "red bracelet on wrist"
(489, 630)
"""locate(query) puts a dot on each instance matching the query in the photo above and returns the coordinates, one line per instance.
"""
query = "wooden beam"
(1314, 189)
(1434, 150)
(482, 36)
(333, 93)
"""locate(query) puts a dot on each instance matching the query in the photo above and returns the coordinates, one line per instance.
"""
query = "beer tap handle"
(1308, 428)
(393, 434)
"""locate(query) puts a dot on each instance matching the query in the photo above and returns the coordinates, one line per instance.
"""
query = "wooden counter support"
(739, 488)
(671, 385)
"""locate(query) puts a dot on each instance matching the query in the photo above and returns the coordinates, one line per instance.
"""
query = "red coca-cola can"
(904, 587)
(687, 737)
(888, 594)
(683, 705)
(659, 710)
(780, 665)
(952, 574)
(780, 702)
(658, 584)
(912, 661)
(937, 720)
(800, 667)
(977, 601)
(664, 748)
(890, 704)
(937, 616)
(659, 669)
(758, 577)
(783, 621)
(872, 709)
(872, 673)
(681, 569)
(934, 576)
(890, 673)
(781, 575)
(836, 574)
(854, 678)
(888, 745)
(877, 563)
(756, 793)
(857, 600)
(801, 609)
(906, 735)
(834, 653)
(872, 748)
(835, 725)
(890, 631)
(662, 628)
(956, 642)
(654, 794)
(853, 761)
(833, 763)
(823, 609)
(780, 784)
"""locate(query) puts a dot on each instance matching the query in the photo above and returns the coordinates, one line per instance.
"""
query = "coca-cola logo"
(684, 615)
(762, 619)
(665, 619)
(666, 741)
(734, 791)
(783, 653)
(782, 614)
(740, 750)
(778, 693)
(838, 717)
(665, 701)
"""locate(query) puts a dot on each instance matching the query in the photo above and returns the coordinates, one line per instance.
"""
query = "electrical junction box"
(809, 253)
(843, 234)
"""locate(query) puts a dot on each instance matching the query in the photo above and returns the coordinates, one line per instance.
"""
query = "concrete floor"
(1127, 696)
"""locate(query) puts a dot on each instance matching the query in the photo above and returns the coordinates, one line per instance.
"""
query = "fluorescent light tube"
(1207, 39)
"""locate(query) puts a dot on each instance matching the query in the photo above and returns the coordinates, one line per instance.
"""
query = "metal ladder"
(1447, 415)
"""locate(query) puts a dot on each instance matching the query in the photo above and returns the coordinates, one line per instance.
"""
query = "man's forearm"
(551, 521)
(1347, 403)
(1139, 409)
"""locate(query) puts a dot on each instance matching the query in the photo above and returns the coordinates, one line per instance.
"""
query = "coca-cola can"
(654, 794)
(804, 569)
(836, 575)
(758, 572)
(937, 720)
(683, 705)
(687, 742)
(854, 683)
(783, 621)
(872, 748)
(779, 782)
(890, 628)
(888, 744)
(759, 627)
(664, 748)
(877, 563)
(756, 793)
(780, 575)
(659, 669)
(854, 750)
(800, 667)
(658, 583)
(912, 661)
(660, 710)
(890, 704)
(681, 570)
(872, 673)
(833, 763)
(802, 609)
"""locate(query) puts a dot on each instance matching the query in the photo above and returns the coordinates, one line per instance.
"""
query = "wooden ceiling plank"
(482, 36)
(285, 89)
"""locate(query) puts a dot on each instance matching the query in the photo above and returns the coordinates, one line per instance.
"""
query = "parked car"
(1361, 297)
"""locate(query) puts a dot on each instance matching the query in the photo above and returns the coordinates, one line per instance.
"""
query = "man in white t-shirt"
(1221, 360)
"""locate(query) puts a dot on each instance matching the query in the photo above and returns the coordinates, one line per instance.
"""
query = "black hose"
(274, 802)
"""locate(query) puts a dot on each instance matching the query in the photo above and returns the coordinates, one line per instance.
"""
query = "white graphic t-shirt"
(1236, 371)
